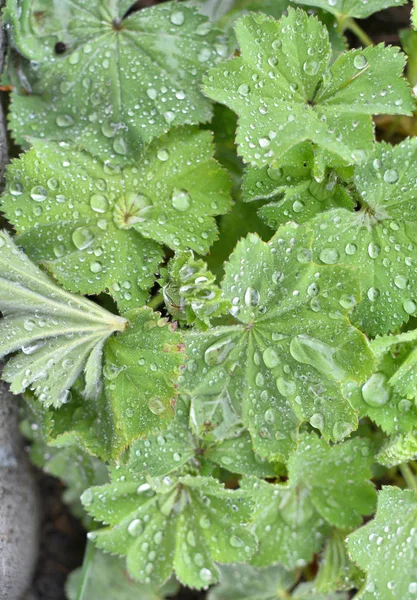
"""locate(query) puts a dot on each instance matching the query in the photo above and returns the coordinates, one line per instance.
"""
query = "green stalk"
(87, 564)
(352, 25)
(408, 477)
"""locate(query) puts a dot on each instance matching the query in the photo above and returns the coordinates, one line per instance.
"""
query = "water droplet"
(163, 155)
(99, 203)
(16, 188)
(374, 249)
(347, 301)
(96, 267)
(271, 358)
(177, 18)
(82, 237)
(360, 61)
(243, 89)
(286, 387)
(205, 522)
(156, 406)
(64, 121)
(317, 421)
(329, 256)
(135, 527)
(181, 200)
(206, 575)
(409, 306)
(87, 497)
(218, 352)
(372, 294)
(269, 416)
(391, 176)
(311, 351)
(176, 456)
(38, 193)
(298, 206)
(274, 174)
(401, 282)
(311, 67)
(251, 297)
(376, 391)
(236, 542)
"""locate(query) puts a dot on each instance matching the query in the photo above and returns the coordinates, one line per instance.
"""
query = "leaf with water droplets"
(291, 349)
(285, 91)
(388, 396)
(107, 578)
(56, 332)
(245, 582)
(294, 193)
(99, 227)
(378, 239)
(359, 9)
(337, 478)
(109, 79)
(289, 528)
(336, 570)
(190, 291)
(385, 547)
(182, 524)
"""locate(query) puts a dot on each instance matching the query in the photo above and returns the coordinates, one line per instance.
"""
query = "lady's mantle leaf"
(182, 524)
(59, 334)
(380, 239)
(293, 346)
(385, 548)
(295, 193)
(388, 396)
(285, 92)
(101, 228)
(108, 81)
(359, 9)
(106, 578)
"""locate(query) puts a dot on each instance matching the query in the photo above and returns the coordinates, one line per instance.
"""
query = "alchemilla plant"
(216, 344)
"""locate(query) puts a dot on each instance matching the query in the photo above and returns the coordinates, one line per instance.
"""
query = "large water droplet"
(360, 61)
(317, 354)
(391, 176)
(218, 352)
(38, 193)
(181, 200)
(135, 527)
(376, 391)
(99, 203)
(271, 358)
(329, 256)
(251, 297)
(178, 17)
(82, 237)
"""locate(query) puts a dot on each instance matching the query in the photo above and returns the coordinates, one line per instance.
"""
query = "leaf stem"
(362, 36)
(408, 477)
(87, 563)
(156, 301)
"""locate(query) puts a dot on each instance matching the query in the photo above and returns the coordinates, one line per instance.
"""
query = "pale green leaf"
(285, 359)
(245, 582)
(190, 291)
(105, 578)
(56, 331)
(399, 449)
(182, 524)
(285, 92)
(289, 529)
(388, 396)
(359, 9)
(337, 478)
(121, 80)
(99, 227)
(379, 239)
(336, 570)
(294, 192)
(385, 548)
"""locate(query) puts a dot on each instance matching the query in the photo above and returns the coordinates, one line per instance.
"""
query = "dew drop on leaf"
(376, 391)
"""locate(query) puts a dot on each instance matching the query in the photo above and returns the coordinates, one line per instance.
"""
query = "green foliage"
(236, 438)
(385, 547)
(285, 92)
(101, 228)
(121, 79)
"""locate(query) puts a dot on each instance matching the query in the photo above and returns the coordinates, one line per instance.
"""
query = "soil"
(62, 536)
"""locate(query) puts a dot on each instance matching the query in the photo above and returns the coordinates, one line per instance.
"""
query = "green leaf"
(336, 570)
(358, 9)
(60, 335)
(121, 81)
(190, 291)
(98, 227)
(336, 477)
(285, 92)
(289, 529)
(379, 239)
(399, 449)
(388, 396)
(295, 193)
(182, 524)
(244, 582)
(106, 578)
(385, 547)
(305, 591)
(284, 360)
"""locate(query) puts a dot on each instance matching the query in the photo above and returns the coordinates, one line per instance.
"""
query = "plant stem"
(87, 563)
(156, 301)
(408, 477)
(363, 37)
